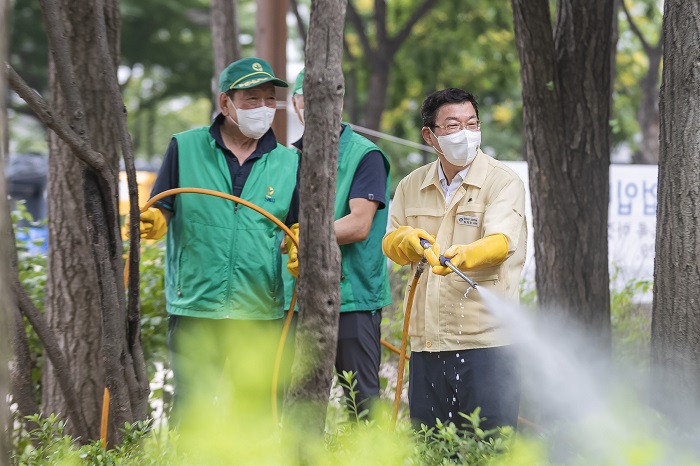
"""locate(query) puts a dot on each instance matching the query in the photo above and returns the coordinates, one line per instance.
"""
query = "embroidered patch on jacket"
(468, 220)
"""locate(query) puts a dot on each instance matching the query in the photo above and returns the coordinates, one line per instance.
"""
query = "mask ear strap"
(229, 115)
(435, 148)
(232, 120)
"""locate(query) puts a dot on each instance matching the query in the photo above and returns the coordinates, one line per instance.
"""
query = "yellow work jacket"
(490, 200)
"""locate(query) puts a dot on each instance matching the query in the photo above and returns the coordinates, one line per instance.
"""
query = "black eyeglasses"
(454, 127)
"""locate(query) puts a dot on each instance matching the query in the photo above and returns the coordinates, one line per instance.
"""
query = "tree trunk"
(566, 110)
(271, 46)
(319, 255)
(5, 291)
(648, 113)
(85, 302)
(224, 35)
(675, 346)
(6, 307)
(376, 93)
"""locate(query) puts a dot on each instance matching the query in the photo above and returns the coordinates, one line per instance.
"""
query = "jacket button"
(428, 344)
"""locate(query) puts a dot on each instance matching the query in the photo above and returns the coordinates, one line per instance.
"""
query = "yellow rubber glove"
(292, 251)
(433, 255)
(152, 225)
(488, 251)
(403, 244)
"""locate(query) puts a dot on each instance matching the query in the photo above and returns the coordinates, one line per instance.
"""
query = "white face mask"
(459, 148)
(254, 122)
(301, 117)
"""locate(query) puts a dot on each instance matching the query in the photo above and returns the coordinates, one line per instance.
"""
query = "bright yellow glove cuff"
(486, 252)
(403, 244)
(292, 251)
(153, 224)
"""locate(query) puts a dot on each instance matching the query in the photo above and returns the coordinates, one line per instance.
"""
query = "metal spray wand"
(445, 262)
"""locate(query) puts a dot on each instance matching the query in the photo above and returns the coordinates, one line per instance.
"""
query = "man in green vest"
(223, 282)
(362, 192)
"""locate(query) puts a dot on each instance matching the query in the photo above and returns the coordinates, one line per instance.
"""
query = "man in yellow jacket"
(461, 356)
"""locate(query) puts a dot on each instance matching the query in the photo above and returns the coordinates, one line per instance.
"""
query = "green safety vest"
(364, 284)
(223, 260)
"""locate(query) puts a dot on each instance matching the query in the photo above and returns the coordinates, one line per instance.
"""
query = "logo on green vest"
(270, 192)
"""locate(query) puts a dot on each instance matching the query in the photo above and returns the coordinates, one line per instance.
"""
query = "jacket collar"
(475, 176)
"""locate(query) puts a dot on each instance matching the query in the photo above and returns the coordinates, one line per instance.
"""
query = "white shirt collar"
(449, 190)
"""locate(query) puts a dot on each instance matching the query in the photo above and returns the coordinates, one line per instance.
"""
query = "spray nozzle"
(445, 262)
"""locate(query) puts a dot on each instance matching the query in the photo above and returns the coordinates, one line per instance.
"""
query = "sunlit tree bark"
(5, 291)
(319, 255)
(566, 82)
(675, 330)
(85, 304)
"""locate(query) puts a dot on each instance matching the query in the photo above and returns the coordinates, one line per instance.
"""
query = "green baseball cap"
(299, 83)
(247, 73)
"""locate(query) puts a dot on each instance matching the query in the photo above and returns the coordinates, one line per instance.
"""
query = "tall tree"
(85, 305)
(675, 329)
(380, 55)
(224, 37)
(5, 291)
(319, 255)
(566, 86)
(648, 111)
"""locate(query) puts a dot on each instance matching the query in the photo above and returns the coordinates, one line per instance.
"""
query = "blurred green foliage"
(365, 443)
(31, 268)
(630, 320)
(370, 443)
(631, 65)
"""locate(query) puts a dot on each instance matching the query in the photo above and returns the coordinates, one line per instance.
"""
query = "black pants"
(445, 383)
(225, 365)
(358, 351)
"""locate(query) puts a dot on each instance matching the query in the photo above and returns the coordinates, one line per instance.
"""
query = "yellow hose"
(393, 348)
(105, 417)
(278, 357)
(230, 197)
(404, 343)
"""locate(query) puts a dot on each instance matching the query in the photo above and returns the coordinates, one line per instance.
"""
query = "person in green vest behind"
(223, 282)
(362, 192)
